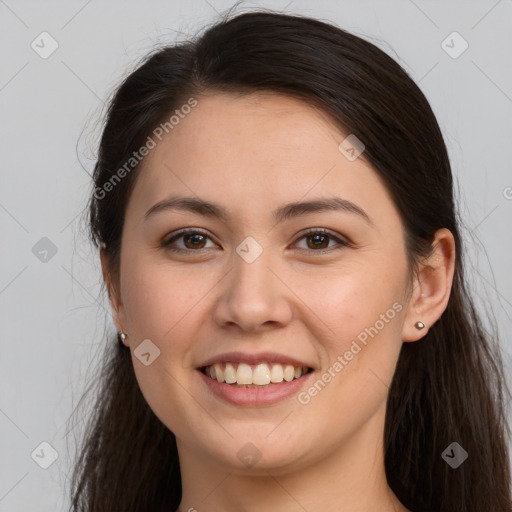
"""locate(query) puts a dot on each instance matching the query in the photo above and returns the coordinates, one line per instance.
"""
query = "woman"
(273, 204)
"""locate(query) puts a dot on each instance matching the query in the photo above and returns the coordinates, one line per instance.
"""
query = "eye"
(193, 240)
(318, 239)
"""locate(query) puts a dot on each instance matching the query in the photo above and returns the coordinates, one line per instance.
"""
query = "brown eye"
(318, 240)
(190, 240)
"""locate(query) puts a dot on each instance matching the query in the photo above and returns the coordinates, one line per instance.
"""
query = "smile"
(257, 385)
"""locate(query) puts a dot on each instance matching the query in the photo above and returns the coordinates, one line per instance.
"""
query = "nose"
(253, 296)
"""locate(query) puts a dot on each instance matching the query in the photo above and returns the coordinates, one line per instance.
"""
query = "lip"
(262, 357)
(255, 396)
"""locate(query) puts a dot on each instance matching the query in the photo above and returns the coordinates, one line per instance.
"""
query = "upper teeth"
(259, 374)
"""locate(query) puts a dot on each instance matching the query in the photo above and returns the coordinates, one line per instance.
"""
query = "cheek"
(358, 324)
(158, 297)
(352, 298)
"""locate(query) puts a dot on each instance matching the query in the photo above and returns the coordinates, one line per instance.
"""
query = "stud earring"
(419, 325)
(121, 337)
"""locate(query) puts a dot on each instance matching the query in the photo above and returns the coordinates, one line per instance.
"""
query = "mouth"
(254, 376)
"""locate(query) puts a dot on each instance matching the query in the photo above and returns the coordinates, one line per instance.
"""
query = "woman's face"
(252, 287)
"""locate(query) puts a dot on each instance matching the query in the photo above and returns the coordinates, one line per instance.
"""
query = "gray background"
(53, 313)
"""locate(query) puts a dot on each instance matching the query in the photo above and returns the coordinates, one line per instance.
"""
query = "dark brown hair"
(447, 387)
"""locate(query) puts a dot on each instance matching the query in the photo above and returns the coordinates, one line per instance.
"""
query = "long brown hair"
(448, 387)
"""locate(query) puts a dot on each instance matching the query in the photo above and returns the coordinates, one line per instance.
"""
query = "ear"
(431, 287)
(116, 304)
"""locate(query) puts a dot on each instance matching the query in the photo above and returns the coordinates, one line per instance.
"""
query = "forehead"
(255, 122)
(255, 148)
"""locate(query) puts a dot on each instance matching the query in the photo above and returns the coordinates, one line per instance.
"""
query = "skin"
(252, 154)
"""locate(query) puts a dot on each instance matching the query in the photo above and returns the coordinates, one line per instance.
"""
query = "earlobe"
(431, 288)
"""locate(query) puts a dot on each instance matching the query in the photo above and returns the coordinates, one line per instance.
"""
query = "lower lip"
(255, 396)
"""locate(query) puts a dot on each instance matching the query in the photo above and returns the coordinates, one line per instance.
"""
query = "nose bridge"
(251, 278)
(254, 277)
(253, 295)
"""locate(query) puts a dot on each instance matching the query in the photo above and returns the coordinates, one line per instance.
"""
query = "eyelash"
(311, 231)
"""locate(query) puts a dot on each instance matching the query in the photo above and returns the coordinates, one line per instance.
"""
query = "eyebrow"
(281, 214)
